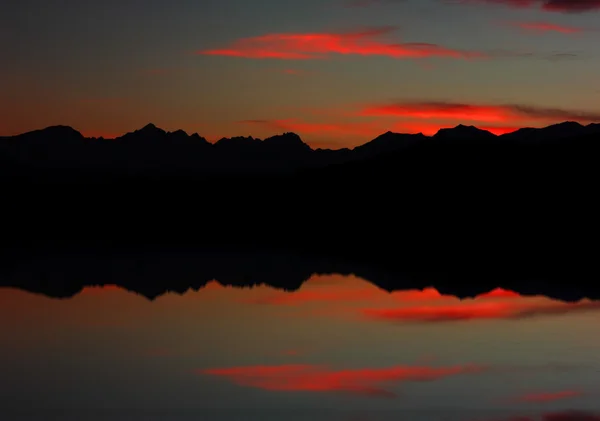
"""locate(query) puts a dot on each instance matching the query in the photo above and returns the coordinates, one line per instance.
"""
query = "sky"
(337, 72)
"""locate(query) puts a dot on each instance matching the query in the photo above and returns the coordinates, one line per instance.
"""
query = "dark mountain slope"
(436, 203)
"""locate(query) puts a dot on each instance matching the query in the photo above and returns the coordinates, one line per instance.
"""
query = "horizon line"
(213, 142)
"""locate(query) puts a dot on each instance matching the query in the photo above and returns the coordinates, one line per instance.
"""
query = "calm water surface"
(337, 349)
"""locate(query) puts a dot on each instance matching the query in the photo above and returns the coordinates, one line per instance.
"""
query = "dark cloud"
(561, 6)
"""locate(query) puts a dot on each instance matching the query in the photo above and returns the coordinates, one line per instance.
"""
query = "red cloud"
(479, 311)
(547, 27)
(323, 379)
(476, 112)
(563, 6)
(298, 46)
(549, 397)
(441, 111)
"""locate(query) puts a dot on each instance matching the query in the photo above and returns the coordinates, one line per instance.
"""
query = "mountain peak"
(566, 125)
(61, 129)
(149, 126)
(463, 131)
(287, 140)
(151, 129)
(179, 132)
(56, 132)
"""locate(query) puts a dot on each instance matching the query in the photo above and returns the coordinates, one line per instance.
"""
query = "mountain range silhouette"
(463, 201)
(151, 149)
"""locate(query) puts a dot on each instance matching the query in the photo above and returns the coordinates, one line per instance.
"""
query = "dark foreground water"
(339, 349)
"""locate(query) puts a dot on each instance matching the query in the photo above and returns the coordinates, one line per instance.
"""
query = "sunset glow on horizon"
(338, 73)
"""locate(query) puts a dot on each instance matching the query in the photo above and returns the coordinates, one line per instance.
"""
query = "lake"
(337, 349)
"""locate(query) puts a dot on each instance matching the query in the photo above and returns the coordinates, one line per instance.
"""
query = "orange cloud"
(549, 397)
(304, 46)
(547, 27)
(367, 382)
(479, 311)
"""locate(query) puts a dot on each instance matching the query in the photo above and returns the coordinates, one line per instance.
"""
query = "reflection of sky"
(339, 344)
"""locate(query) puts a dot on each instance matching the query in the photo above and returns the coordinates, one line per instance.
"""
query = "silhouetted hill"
(567, 129)
(462, 132)
(386, 143)
(465, 198)
(151, 151)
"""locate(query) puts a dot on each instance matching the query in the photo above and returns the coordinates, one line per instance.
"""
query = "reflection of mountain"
(153, 273)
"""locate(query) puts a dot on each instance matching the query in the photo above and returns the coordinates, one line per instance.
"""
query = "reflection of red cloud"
(549, 397)
(499, 293)
(294, 46)
(547, 27)
(428, 294)
(477, 311)
(322, 379)
(415, 295)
